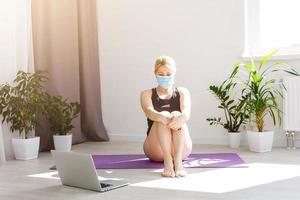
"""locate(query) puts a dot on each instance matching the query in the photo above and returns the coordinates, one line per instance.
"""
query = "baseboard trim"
(278, 142)
(126, 137)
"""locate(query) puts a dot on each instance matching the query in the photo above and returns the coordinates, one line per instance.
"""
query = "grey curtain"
(65, 44)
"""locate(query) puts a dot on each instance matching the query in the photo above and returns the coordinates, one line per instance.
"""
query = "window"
(270, 25)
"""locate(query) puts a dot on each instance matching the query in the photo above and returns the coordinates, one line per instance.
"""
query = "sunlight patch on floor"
(227, 179)
(54, 175)
(132, 160)
(48, 175)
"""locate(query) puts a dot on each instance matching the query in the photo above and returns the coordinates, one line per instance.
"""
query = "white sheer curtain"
(16, 53)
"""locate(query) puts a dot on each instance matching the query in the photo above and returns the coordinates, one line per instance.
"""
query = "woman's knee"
(175, 113)
(166, 113)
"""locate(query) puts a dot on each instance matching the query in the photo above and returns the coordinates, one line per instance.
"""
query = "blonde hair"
(165, 61)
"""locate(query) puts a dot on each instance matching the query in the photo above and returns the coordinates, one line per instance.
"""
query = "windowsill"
(275, 57)
(282, 54)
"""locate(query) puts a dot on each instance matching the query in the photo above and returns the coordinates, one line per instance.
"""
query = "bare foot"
(168, 169)
(179, 170)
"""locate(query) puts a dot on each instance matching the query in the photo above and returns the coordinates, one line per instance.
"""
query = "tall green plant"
(264, 90)
(23, 102)
(60, 114)
(234, 109)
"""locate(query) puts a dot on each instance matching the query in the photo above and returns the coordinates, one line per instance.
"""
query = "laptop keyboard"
(104, 185)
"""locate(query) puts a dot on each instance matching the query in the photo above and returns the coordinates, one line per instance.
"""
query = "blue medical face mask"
(165, 81)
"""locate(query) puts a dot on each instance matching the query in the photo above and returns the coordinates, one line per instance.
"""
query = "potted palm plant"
(60, 114)
(234, 110)
(21, 104)
(264, 91)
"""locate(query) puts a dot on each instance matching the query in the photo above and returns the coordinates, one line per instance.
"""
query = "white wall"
(205, 37)
(15, 53)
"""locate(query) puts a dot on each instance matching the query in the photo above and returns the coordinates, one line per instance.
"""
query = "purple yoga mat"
(140, 161)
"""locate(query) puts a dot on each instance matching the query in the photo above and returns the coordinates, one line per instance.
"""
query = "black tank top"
(170, 105)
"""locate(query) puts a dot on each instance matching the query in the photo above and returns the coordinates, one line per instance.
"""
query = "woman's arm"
(185, 103)
(185, 107)
(150, 112)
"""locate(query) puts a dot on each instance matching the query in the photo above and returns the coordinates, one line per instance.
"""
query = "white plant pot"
(234, 139)
(63, 142)
(260, 141)
(26, 149)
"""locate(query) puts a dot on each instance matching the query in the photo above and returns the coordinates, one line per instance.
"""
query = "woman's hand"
(176, 122)
(165, 117)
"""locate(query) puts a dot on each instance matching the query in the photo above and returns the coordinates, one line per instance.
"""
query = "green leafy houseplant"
(234, 109)
(23, 102)
(263, 90)
(60, 114)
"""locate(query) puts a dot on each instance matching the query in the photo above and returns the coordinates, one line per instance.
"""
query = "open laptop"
(78, 170)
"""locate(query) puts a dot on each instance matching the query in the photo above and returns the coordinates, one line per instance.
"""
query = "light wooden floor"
(274, 175)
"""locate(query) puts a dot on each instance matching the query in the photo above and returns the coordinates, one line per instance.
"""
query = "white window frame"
(251, 28)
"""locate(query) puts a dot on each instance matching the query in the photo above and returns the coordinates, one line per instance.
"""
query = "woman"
(167, 110)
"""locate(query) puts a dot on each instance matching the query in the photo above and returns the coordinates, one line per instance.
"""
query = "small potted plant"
(234, 110)
(60, 114)
(264, 91)
(21, 105)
